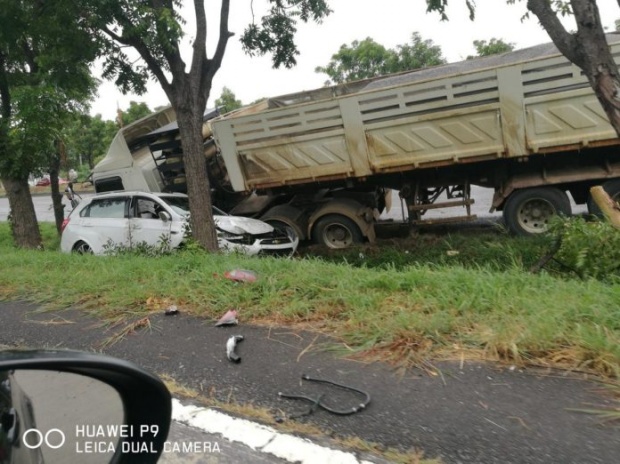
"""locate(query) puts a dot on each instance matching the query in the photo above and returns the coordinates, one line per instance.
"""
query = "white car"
(128, 219)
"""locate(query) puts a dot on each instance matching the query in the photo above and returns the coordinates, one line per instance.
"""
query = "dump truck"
(324, 163)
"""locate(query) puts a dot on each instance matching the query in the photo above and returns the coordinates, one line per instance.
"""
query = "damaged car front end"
(252, 236)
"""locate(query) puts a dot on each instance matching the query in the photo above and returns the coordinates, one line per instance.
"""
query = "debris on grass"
(241, 275)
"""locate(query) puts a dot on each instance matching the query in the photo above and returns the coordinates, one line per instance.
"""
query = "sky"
(387, 22)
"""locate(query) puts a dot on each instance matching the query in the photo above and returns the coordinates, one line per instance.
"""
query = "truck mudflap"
(363, 217)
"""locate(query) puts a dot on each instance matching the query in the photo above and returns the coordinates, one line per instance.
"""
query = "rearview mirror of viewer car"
(73, 407)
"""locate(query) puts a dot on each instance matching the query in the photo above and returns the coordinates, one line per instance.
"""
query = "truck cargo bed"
(512, 105)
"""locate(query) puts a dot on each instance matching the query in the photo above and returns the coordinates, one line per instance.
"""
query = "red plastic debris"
(240, 275)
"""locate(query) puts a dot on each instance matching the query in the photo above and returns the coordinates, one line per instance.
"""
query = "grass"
(414, 301)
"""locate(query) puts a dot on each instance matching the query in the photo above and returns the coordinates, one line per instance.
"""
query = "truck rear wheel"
(612, 187)
(336, 231)
(528, 211)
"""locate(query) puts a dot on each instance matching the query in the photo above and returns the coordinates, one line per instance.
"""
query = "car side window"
(146, 208)
(115, 208)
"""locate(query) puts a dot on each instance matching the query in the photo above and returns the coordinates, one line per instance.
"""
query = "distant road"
(480, 208)
(42, 206)
(483, 197)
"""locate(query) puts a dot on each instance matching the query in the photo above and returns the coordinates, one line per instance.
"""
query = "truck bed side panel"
(512, 110)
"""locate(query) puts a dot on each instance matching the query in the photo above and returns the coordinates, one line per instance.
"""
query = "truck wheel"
(612, 187)
(528, 211)
(336, 231)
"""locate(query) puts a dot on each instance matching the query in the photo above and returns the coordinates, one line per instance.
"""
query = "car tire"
(289, 228)
(82, 248)
(528, 211)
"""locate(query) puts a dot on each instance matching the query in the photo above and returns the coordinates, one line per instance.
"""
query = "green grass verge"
(408, 307)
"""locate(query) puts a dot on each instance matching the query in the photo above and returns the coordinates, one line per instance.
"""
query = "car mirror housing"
(56, 405)
(165, 216)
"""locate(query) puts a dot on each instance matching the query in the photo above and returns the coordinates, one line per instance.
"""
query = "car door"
(145, 225)
(105, 223)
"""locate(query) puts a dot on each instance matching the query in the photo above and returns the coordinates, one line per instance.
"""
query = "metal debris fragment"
(231, 344)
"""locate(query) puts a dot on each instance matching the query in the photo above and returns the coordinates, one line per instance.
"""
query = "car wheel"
(336, 231)
(528, 211)
(612, 188)
(82, 248)
(290, 229)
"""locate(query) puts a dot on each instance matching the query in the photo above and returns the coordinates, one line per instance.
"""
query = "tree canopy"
(366, 58)
(44, 77)
(88, 138)
(491, 47)
(134, 112)
(228, 101)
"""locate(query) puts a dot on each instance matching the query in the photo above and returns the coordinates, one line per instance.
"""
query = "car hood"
(242, 225)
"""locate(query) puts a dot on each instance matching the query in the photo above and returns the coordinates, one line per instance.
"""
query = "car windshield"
(180, 205)
(218, 212)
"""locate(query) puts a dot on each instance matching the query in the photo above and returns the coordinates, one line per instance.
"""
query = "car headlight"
(245, 239)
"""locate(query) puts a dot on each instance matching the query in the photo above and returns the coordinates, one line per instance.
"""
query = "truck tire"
(528, 211)
(336, 231)
(612, 187)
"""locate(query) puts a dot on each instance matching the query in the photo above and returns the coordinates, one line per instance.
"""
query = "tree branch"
(146, 55)
(549, 20)
(199, 55)
(174, 59)
(225, 34)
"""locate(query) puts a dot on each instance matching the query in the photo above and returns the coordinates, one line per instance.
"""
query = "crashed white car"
(127, 219)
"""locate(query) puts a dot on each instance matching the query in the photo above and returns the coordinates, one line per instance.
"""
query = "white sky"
(387, 22)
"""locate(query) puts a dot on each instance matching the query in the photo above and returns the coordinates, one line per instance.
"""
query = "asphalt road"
(483, 198)
(468, 413)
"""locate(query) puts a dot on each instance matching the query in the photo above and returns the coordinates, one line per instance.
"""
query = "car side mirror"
(165, 216)
(57, 406)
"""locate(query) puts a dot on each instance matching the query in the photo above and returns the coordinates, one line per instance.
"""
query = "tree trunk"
(595, 59)
(587, 48)
(609, 208)
(24, 224)
(198, 187)
(59, 208)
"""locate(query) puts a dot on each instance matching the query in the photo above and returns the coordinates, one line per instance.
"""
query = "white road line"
(260, 437)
